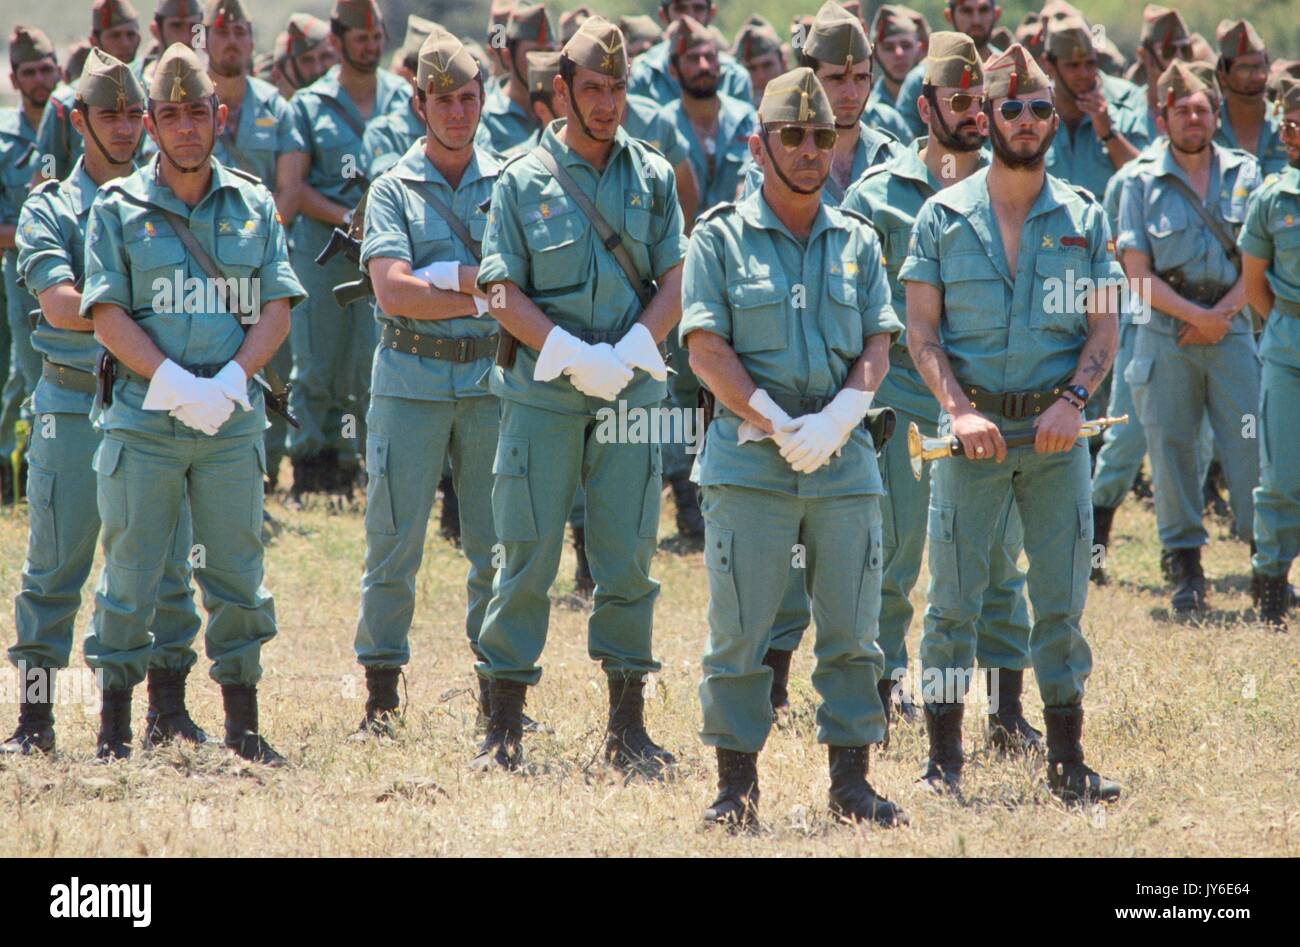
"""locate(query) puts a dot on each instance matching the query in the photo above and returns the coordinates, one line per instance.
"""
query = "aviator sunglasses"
(1041, 109)
(792, 136)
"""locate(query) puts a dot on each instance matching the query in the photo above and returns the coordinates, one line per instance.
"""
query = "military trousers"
(1124, 445)
(683, 395)
(24, 361)
(750, 538)
(277, 431)
(1178, 387)
(541, 457)
(1052, 493)
(143, 482)
(1277, 498)
(406, 444)
(332, 349)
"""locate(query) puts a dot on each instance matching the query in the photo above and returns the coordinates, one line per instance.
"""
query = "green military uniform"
(505, 124)
(390, 137)
(1000, 335)
(1272, 232)
(148, 462)
(650, 76)
(1237, 38)
(426, 403)
(331, 346)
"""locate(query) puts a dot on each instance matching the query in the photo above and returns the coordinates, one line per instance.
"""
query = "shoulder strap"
(608, 236)
(1216, 228)
(338, 108)
(241, 159)
(457, 225)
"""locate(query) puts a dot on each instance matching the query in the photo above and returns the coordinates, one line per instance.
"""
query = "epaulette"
(246, 175)
(46, 185)
(1085, 193)
(855, 215)
(715, 210)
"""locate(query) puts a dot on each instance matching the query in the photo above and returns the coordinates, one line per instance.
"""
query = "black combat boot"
(1102, 518)
(242, 733)
(583, 583)
(328, 477)
(1189, 581)
(1009, 731)
(306, 477)
(347, 476)
(114, 741)
(779, 662)
(944, 731)
(690, 522)
(382, 705)
(35, 730)
(503, 745)
(1272, 597)
(885, 688)
(627, 745)
(1215, 485)
(485, 710)
(1067, 775)
(737, 804)
(167, 718)
(852, 798)
(449, 516)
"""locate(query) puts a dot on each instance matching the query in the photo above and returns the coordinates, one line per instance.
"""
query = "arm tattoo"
(1096, 367)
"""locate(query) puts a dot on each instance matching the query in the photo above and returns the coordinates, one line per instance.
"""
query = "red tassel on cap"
(1013, 83)
(541, 32)
(965, 77)
(1241, 41)
(1169, 99)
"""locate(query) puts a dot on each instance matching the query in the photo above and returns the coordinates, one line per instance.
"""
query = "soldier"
(975, 18)
(1270, 244)
(890, 196)
(1197, 352)
(184, 212)
(1164, 38)
(585, 339)
(331, 345)
(640, 33)
(174, 21)
(424, 221)
(651, 75)
(571, 20)
(1246, 121)
(788, 467)
(506, 119)
(897, 50)
(390, 137)
(64, 522)
(1098, 137)
(76, 63)
(303, 53)
(758, 49)
(34, 72)
(498, 19)
(1003, 360)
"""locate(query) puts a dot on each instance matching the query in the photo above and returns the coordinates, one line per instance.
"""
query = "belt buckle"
(1013, 405)
(462, 350)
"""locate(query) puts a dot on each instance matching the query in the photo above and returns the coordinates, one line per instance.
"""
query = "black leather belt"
(73, 379)
(1205, 294)
(465, 349)
(1012, 405)
(200, 371)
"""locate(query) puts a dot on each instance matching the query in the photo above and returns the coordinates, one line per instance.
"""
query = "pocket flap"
(512, 457)
(107, 456)
(1138, 370)
(376, 455)
(755, 293)
(40, 487)
(717, 548)
(941, 521)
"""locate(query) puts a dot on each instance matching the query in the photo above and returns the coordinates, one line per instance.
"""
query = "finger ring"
(979, 451)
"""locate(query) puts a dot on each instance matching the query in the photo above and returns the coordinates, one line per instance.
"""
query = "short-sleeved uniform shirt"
(745, 277)
(718, 171)
(884, 117)
(55, 136)
(401, 225)
(1080, 157)
(1155, 219)
(133, 257)
(504, 124)
(390, 137)
(17, 162)
(1272, 155)
(1003, 331)
(874, 148)
(538, 239)
(1272, 232)
(649, 76)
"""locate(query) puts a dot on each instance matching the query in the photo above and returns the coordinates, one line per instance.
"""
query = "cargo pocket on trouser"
(1082, 556)
(868, 608)
(945, 577)
(257, 490)
(379, 496)
(719, 559)
(110, 484)
(42, 544)
(649, 528)
(512, 500)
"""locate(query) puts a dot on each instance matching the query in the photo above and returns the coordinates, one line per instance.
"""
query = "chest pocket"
(638, 216)
(241, 245)
(337, 147)
(758, 315)
(559, 245)
(1060, 292)
(842, 320)
(430, 237)
(1287, 241)
(1173, 242)
(154, 262)
(974, 300)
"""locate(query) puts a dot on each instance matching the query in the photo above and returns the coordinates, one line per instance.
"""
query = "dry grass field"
(1199, 724)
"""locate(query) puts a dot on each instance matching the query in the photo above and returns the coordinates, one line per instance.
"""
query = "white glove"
(762, 402)
(481, 307)
(206, 416)
(234, 384)
(637, 349)
(814, 437)
(170, 387)
(594, 369)
(441, 274)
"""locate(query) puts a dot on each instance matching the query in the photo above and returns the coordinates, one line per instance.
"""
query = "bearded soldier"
(302, 54)
(651, 74)
(975, 18)
(64, 522)
(787, 464)
(1004, 361)
(1245, 119)
(187, 415)
(587, 331)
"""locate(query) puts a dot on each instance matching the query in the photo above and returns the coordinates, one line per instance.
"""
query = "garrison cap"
(305, 32)
(357, 14)
(796, 96)
(417, 31)
(77, 54)
(445, 64)
(1013, 72)
(598, 45)
(1001, 38)
(1201, 48)
(28, 44)
(179, 9)
(106, 14)
(1031, 32)
(1164, 29)
(640, 29)
(922, 24)
(475, 49)
(687, 33)
(570, 20)
(530, 24)
(178, 76)
(1236, 38)
(1182, 79)
(543, 67)
(217, 12)
(1060, 10)
(756, 37)
(952, 61)
(1111, 58)
(108, 83)
(499, 11)
(1282, 70)
(854, 7)
(837, 37)
(1070, 40)
(1288, 94)
(892, 20)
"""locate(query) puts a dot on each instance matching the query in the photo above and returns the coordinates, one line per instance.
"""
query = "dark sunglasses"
(792, 136)
(1041, 109)
(960, 102)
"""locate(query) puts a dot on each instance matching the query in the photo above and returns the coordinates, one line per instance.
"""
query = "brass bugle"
(921, 450)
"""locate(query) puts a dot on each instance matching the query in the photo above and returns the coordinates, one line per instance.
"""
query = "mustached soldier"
(585, 340)
(985, 253)
(172, 430)
(64, 521)
(787, 318)
(651, 74)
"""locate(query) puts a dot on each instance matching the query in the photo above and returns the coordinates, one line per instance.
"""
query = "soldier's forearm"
(1120, 151)
(872, 365)
(264, 337)
(932, 362)
(519, 315)
(7, 234)
(1098, 351)
(1137, 267)
(720, 370)
(399, 293)
(123, 337)
(61, 306)
(688, 192)
(1254, 274)
(319, 207)
(665, 310)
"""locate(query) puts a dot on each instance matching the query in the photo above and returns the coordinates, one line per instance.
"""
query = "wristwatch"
(1108, 136)
(1077, 391)
(347, 217)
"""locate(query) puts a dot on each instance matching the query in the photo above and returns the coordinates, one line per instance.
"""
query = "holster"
(705, 403)
(105, 375)
(507, 349)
